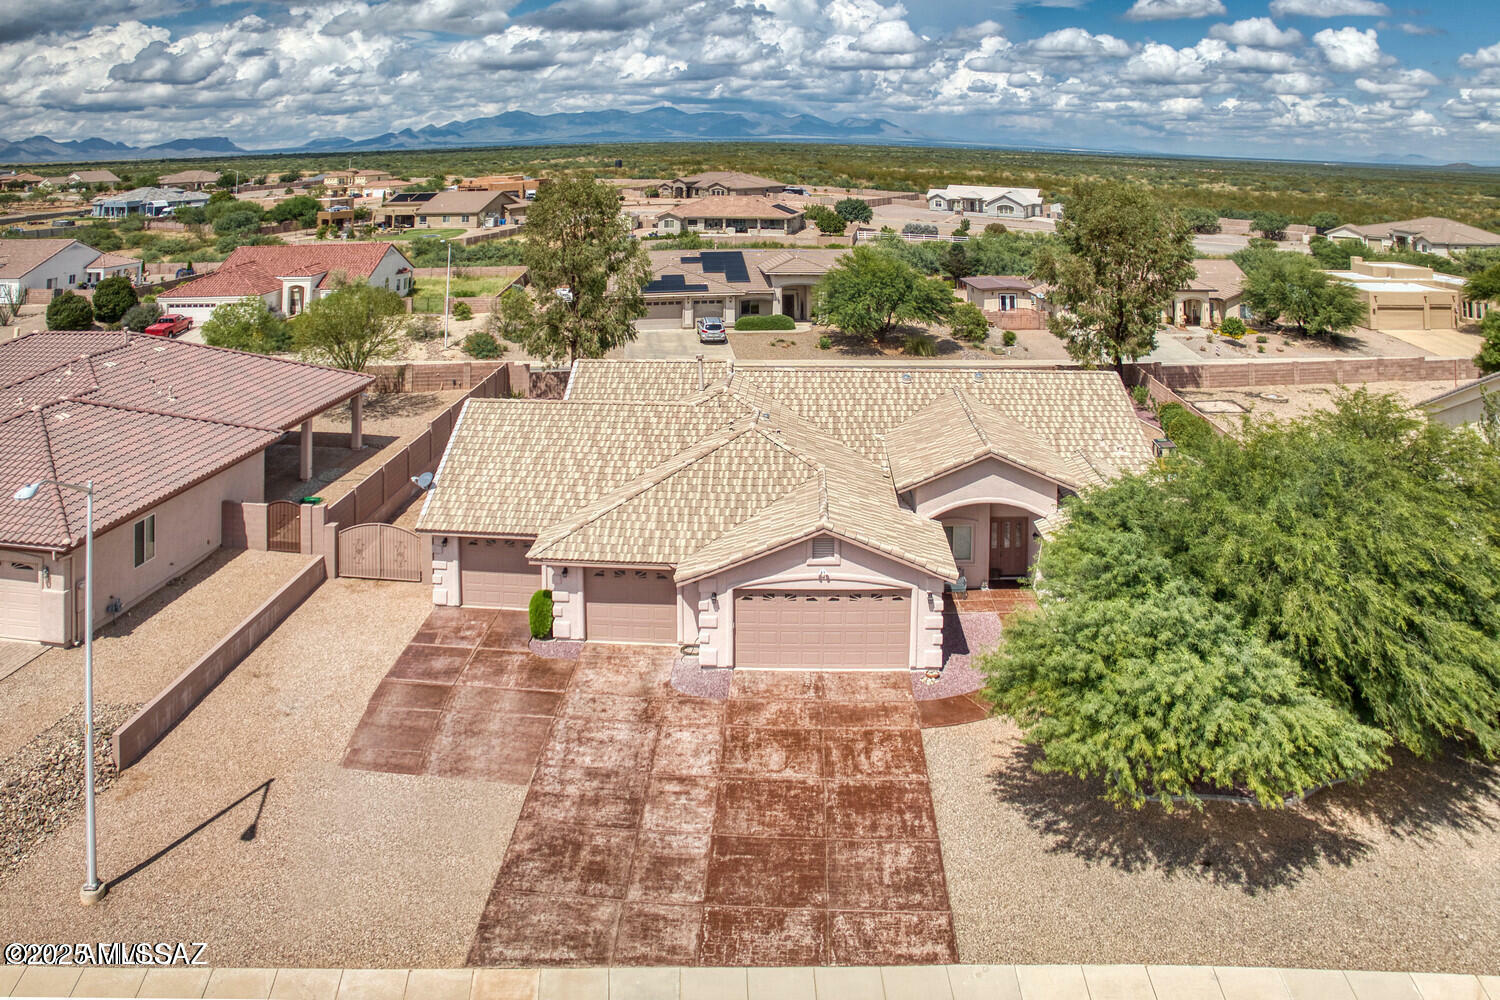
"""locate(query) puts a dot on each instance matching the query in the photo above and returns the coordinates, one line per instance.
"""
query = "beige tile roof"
(463, 202)
(731, 207)
(955, 430)
(1078, 411)
(732, 180)
(1435, 229)
(19, 258)
(1221, 276)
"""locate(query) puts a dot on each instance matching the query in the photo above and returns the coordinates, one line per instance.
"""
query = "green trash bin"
(311, 500)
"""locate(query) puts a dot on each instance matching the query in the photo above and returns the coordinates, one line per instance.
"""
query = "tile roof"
(114, 260)
(731, 179)
(1446, 232)
(1222, 276)
(462, 202)
(190, 177)
(258, 270)
(19, 258)
(955, 430)
(143, 417)
(980, 192)
(999, 282)
(731, 272)
(731, 207)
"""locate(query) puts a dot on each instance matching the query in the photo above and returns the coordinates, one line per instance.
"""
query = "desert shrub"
(140, 316)
(920, 229)
(113, 298)
(481, 344)
(779, 321)
(968, 324)
(463, 310)
(1186, 429)
(1008, 338)
(919, 345)
(70, 311)
(1140, 395)
(539, 613)
(824, 343)
(423, 327)
(1233, 327)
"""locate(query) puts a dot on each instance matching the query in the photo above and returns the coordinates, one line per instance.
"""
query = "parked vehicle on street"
(711, 331)
(170, 325)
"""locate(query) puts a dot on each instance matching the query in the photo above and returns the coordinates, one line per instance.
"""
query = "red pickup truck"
(170, 325)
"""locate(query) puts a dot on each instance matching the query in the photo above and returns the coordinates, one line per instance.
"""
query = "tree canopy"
(70, 311)
(590, 275)
(1119, 257)
(247, 325)
(300, 208)
(1271, 225)
(867, 292)
(854, 210)
(1201, 220)
(350, 327)
(1269, 614)
(825, 218)
(1287, 288)
(113, 298)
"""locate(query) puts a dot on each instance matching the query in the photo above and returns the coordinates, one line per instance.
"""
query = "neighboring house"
(1405, 297)
(465, 209)
(1465, 404)
(719, 183)
(520, 185)
(1429, 234)
(689, 284)
(80, 177)
(1211, 296)
(289, 278)
(400, 210)
(1002, 202)
(167, 431)
(109, 265)
(768, 516)
(999, 292)
(11, 180)
(354, 182)
(190, 180)
(152, 202)
(43, 264)
(732, 214)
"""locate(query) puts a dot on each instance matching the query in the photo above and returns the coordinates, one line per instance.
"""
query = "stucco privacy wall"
(856, 568)
(189, 527)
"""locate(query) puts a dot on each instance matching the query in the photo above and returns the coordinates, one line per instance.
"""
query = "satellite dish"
(423, 481)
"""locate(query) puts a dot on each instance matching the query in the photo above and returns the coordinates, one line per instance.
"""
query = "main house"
(190, 180)
(1001, 292)
(718, 183)
(768, 515)
(468, 209)
(690, 284)
(167, 431)
(289, 278)
(1213, 294)
(732, 214)
(1429, 234)
(1003, 202)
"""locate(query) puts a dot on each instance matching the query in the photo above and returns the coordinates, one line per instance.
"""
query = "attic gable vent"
(824, 548)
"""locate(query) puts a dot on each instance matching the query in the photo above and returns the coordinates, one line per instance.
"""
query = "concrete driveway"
(664, 339)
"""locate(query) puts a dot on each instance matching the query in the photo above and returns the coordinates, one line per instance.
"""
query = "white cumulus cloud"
(1489, 56)
(1349, 49)
(1329, 8)
(1260, 32)
(1171, 10)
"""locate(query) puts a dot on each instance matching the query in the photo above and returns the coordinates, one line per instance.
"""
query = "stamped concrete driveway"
(789, 825)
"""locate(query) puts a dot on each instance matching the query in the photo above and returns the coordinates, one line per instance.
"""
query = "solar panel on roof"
(729, 263)
(673, 283)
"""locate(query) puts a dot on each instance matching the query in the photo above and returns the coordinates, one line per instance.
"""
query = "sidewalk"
(927, 982)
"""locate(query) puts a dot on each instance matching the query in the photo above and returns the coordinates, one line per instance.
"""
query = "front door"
(789, 305)
(1010, 540)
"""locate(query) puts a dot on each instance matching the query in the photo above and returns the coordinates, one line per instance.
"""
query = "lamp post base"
(88, 897)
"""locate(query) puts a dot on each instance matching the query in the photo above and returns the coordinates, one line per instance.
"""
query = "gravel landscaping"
(242, 830)
(1399, 873)
(802, 345)
(42, 784)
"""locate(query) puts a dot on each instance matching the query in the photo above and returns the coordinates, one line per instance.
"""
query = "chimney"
(702, 381)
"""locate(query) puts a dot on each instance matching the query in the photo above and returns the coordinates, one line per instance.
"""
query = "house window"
(749, 308)
(960, 540)
(145, 540)
(1007, 303)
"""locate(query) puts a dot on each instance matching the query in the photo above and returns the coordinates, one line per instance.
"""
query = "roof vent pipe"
(702, 383)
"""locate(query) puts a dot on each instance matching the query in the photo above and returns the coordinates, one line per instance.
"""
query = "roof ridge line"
(157, 413)
(85, 356)
(963, 401)
(62, 504)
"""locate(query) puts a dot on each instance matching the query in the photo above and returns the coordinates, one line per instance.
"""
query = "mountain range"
(513, 128)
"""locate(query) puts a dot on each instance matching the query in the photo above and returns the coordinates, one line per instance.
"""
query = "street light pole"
(93, 889)
(447, 289)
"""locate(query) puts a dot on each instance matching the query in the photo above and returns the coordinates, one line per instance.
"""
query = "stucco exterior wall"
(444, 570)
(989, 481)
(66, 269)
(857, 568)
(567, 601)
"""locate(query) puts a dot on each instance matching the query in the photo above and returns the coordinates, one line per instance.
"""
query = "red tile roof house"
(166, 430)
(770, 516)
(289, 278)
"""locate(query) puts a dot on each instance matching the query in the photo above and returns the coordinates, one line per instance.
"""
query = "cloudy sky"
(1295, 78)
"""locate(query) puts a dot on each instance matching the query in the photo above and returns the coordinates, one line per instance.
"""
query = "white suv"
(711, 331)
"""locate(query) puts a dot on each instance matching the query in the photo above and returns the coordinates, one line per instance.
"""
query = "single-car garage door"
(811, 629)
(20, 600)
(494, 573)
(1401, 318)
(709, 308)
(664, 310)
(629, 605)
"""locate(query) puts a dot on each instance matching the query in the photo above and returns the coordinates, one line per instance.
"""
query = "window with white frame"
(145, 540)
(960, 540)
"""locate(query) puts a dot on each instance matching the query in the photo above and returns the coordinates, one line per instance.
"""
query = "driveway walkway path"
(790, 825)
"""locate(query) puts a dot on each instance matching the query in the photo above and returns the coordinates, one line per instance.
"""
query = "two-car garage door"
(810, 629)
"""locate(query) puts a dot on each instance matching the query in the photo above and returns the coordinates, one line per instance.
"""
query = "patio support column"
(304, 460)
(775, 301)
(687, 314)
(728, 311)
(357, 422)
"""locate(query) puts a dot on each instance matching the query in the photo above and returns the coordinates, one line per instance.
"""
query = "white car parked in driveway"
(711, 331)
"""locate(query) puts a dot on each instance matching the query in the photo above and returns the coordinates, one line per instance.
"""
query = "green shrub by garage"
(779, 321)
(1186, 429)
(540, 614)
